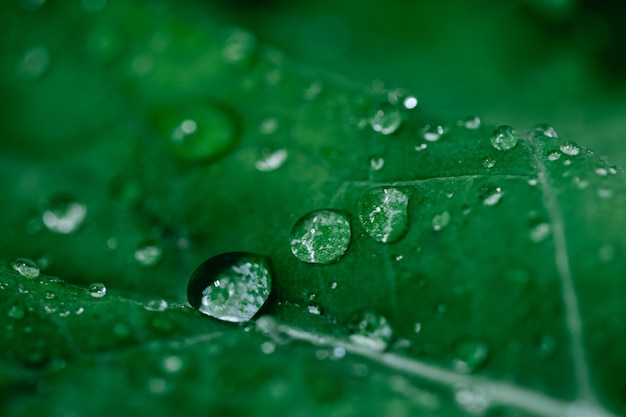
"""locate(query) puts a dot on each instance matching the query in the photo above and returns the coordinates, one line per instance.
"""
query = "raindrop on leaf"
(321, 236)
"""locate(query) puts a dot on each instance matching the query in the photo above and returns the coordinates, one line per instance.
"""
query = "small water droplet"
(504, 138)
(321, 236)
(156, 305)
(410, 102)
(471, 399)
(601, 172)
(567, 163)
(417, 327)
(50, 295)
(97, 290)
(314, 308)
(397, 258)
(231, 286)
(386, 120)
(421, 147)
(333, 285)
(470, 355)
(570, 148)
(268, 347)
(539, 232)
(489, 163)
(532, 182)
(338, 352)
(432, 132)
(34, 63)
(26, 268)
(546, 345)
(372, 330)
(383, 213)
(240, 46)
(16, 312)
(80, 311)
(63, 214)
(554, 155)
(472, 123)
(172, 364)
(441, 220)
(376, 163)
(612, 170)
(268, 126)
(546, 130)
(605, 193)
(271, 160)
(493, 197)
(580, 183)
(148, 253)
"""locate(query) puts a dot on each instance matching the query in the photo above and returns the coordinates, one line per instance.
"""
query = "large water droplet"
(383, 213)
(504, 138)
(372, 330)
(64, 214)
(231, 286)
(386, 120)
(26, 268)
(148, 253)
(321, 236)
(470, 355)
(271, 160)
(97, 290)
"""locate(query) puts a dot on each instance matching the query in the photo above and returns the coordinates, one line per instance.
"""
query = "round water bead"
(97, 290)
(504, 138)
(321, 236)
(26, 268)
(232, 286)
(386, 120)
(383, 213)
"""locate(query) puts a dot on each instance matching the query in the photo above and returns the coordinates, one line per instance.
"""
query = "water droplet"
(240, 46)
(432, 132)
(50, 295)
(148, 253)
(554, 155)
(383, 213)
(376, 163)
(268, 126)
(421, 147)
(97, 290)
(606, 253)
(504, 138)
(231, 286)
(605, 193)
(417, 327)
(539, 232)
(80, 311)
(268, 347)
(441, 220)
(372, 330)
(386, 120)
(314, 308)
(493, 197)
(472, 123)
(410, 102)
(172, 364)
(570, 148)
(489, 163)
(321, 236)
(313, 90)
(471, 399)
(333, 285)
(546, 345)
(271, 160)
(197, 130)
(545, 129)
(64, 214)
(470, 355)
(16, 312)
(601, 172)
(34, 63)
(612, 170)
(26, 268)
(156, 305)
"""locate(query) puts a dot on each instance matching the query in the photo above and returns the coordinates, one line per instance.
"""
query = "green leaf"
(482, 273)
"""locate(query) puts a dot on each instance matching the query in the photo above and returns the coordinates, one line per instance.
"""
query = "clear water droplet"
(372, 330)
(492, 197)
(601, 172)
(540, 232)
(376, 163)
(432, 132)
(240, 46)
(470, 355)
(570, 148)
(612, 170)
(417, 327)
(489, 163)
(441, 220)
(471, 399)
(504, 138)
(34, 63)
(231, 286)
(148, 253)
(26, 268)
(383, 213)
(333, 285)
(268, 126)
(172, 364)
(546, 130)
(16, 312)
(50, 295)
(386, 120)
(410, 102)
(554, 155)
(271, 160)
(472, 123)
(321, 236)
(156, 305)
(314, 308)
(268, 347)
(63, 214)
(97, 290)
(421, 147)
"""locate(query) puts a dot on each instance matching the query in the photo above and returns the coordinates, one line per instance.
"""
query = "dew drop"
(605, 193)
(386, 120)
(472, 123)
(271, 160)
(156, 305)
(570, 148)
(231, 286)
(240, 46)
(372, 330)
(97, 290)
(172, 364)
(504, 138)
(417, 327)
(321, 236)
(16, 312)
(421, 147)
(148, 253)
(333, 285)
(268, 126)
(26, 268)
(493, 197)
(314, 309)
(539, 232)
(410, 102)
(470, 355)
(432, 132)
(546, 345)
(376, 163)
(601, 172)
(471, 399)
(546, 130)
(489, 163)
(63, 214)
(313, 91)
(50, 295)
(554, 155)
(441, 220)
(383, 213)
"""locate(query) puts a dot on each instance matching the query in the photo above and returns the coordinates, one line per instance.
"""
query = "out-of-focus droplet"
(386, 120)
(271, 160)
(371, 329)
(148, 253)
(441, 220)
(34, 63)
(63, 214)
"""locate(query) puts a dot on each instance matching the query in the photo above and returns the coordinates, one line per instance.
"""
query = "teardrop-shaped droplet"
(470, 355)
(472, 399)
(504, 138)
(386, 120)
(383, 213)
(26, 268)
(231, 286)
(321, 236)
(371, 329)
(97, 290)
(148, 253)
(240, 46)
(63, 214)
